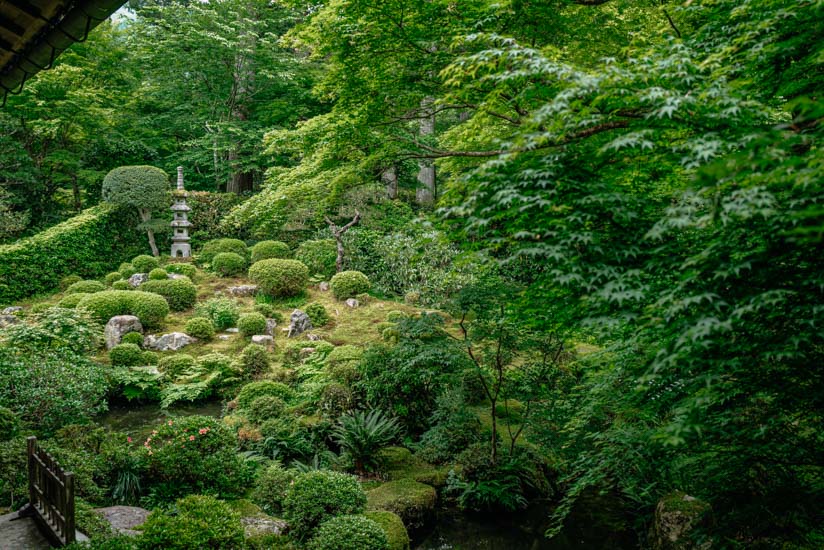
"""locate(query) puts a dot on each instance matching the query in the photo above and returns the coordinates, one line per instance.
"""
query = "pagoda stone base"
(181, 250)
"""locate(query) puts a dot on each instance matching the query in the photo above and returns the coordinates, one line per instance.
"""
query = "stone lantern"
(180, 224)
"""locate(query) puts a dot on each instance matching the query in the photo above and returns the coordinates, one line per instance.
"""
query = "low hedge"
(150, 308)
(179, 293)
(86, 245)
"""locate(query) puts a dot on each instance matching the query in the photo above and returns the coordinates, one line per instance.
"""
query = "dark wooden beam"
(11, 26)
(24, 7)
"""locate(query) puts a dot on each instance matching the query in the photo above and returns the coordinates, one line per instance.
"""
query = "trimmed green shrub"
(145, 263)
(253, 359)
(181, 294)
(85, 287)
(317, 313)
(70, 301)
(265, 408)
(112, 277)
(215, 362)
(392, 525)
(150, 308)
(127, 270)
(69, 280)
(177, 364)
(396, 316)
(318, 256)
(132, 338)
(342, 363)
(318, 496)
(200, 327)
(199, 521)
(126, 355)
(348, 284)
(150, 357)
(414, 502)
(352, 532)
(215, 247)
(9, 424)
(253, 390)
(121, 285)
(279, 278)
(228, 264)
(183, 269)
(222, 311)
(267, 310)
(271, 486)
(158, 274)
(265, 250)
(250, 324)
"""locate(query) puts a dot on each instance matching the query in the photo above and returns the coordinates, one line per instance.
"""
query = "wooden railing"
(51, 495)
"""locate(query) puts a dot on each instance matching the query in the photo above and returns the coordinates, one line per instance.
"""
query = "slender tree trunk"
(390, 179)
(244, 77)
(337, 233)
(145, 216)
(425, 194)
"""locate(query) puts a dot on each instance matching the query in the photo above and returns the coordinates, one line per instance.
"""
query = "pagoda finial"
(180, 178)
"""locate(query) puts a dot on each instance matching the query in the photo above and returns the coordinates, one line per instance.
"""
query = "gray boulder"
(324, 287)
(118, 326)
(168, 342)
(138, 279)
(7, 320)
(351, 302)
(242, 290)
(263, 340)
(256, 526)
(124, 519)
(271, 325)
(299, 323)
(11, 310)
(677, 515)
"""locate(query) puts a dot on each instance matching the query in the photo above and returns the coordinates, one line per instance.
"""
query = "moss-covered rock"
(677, 516)
(392, 525)
(398, 463)
(414, 502)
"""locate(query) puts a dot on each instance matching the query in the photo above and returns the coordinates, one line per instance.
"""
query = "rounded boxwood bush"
(200, 327)
(145, 263)
(9, 423)
(317, 313)
(318, 496)
(175, 365)
(265, 408)
(85, 287)
(319, 256)
(183, 269)
(353, 532)
(158, 274)
(250, 324)
(199, 521)
(112, 277)
(265, 250)
(348, 284)
(132, 338)
(392, 525)
(228, 264)
(222, 311)
(70, 301)
(267, 310)
(216, 246)
(253, 390)
(69, 280)
(270, 488)
(279, 278)
(253, 359)
(150, 358)
(127, 270)
(215, 362)
(150, 308)
(126, 355)
(121, 285)
(414, 502)
(181, 294)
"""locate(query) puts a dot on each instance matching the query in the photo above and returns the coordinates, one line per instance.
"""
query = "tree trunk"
(390, 179)
(337, 233)
(244, 75)
(425, 194)
(145, 216)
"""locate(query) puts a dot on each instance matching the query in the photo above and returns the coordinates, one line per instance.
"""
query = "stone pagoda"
(180, 224)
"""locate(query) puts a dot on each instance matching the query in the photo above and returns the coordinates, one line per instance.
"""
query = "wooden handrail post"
(31, 445)
(68, 491)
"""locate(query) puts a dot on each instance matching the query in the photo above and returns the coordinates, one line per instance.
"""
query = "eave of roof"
(34, 32)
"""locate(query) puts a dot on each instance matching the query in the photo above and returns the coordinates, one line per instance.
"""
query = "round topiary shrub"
(216, 362)
(319, 256)
(126, 355)
(279, 278)
(265, 408)
(317, 313)
(270, 488)
(132, 338)
(145, 263)
(216, 246)
(127, 270)
(175, 365)
(183, 269)
(9, 424)
(181, 294)
(267, 310)
(265, 250)
(85, 287)
(199, 521)
(150, 308)
(112, 277)
(222, 311)
(253, 390)
(228, 264)
(69, 280)
(393, 528)
(253, 359)
(250, 324)
(414, 502)
(318, 496)
(200, 327)
(354, 532)
(158, 274)
(121, 285)
(348, 284)
(70, 301)
(150, 358)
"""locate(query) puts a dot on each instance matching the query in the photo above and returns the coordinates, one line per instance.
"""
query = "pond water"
(139, 420)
